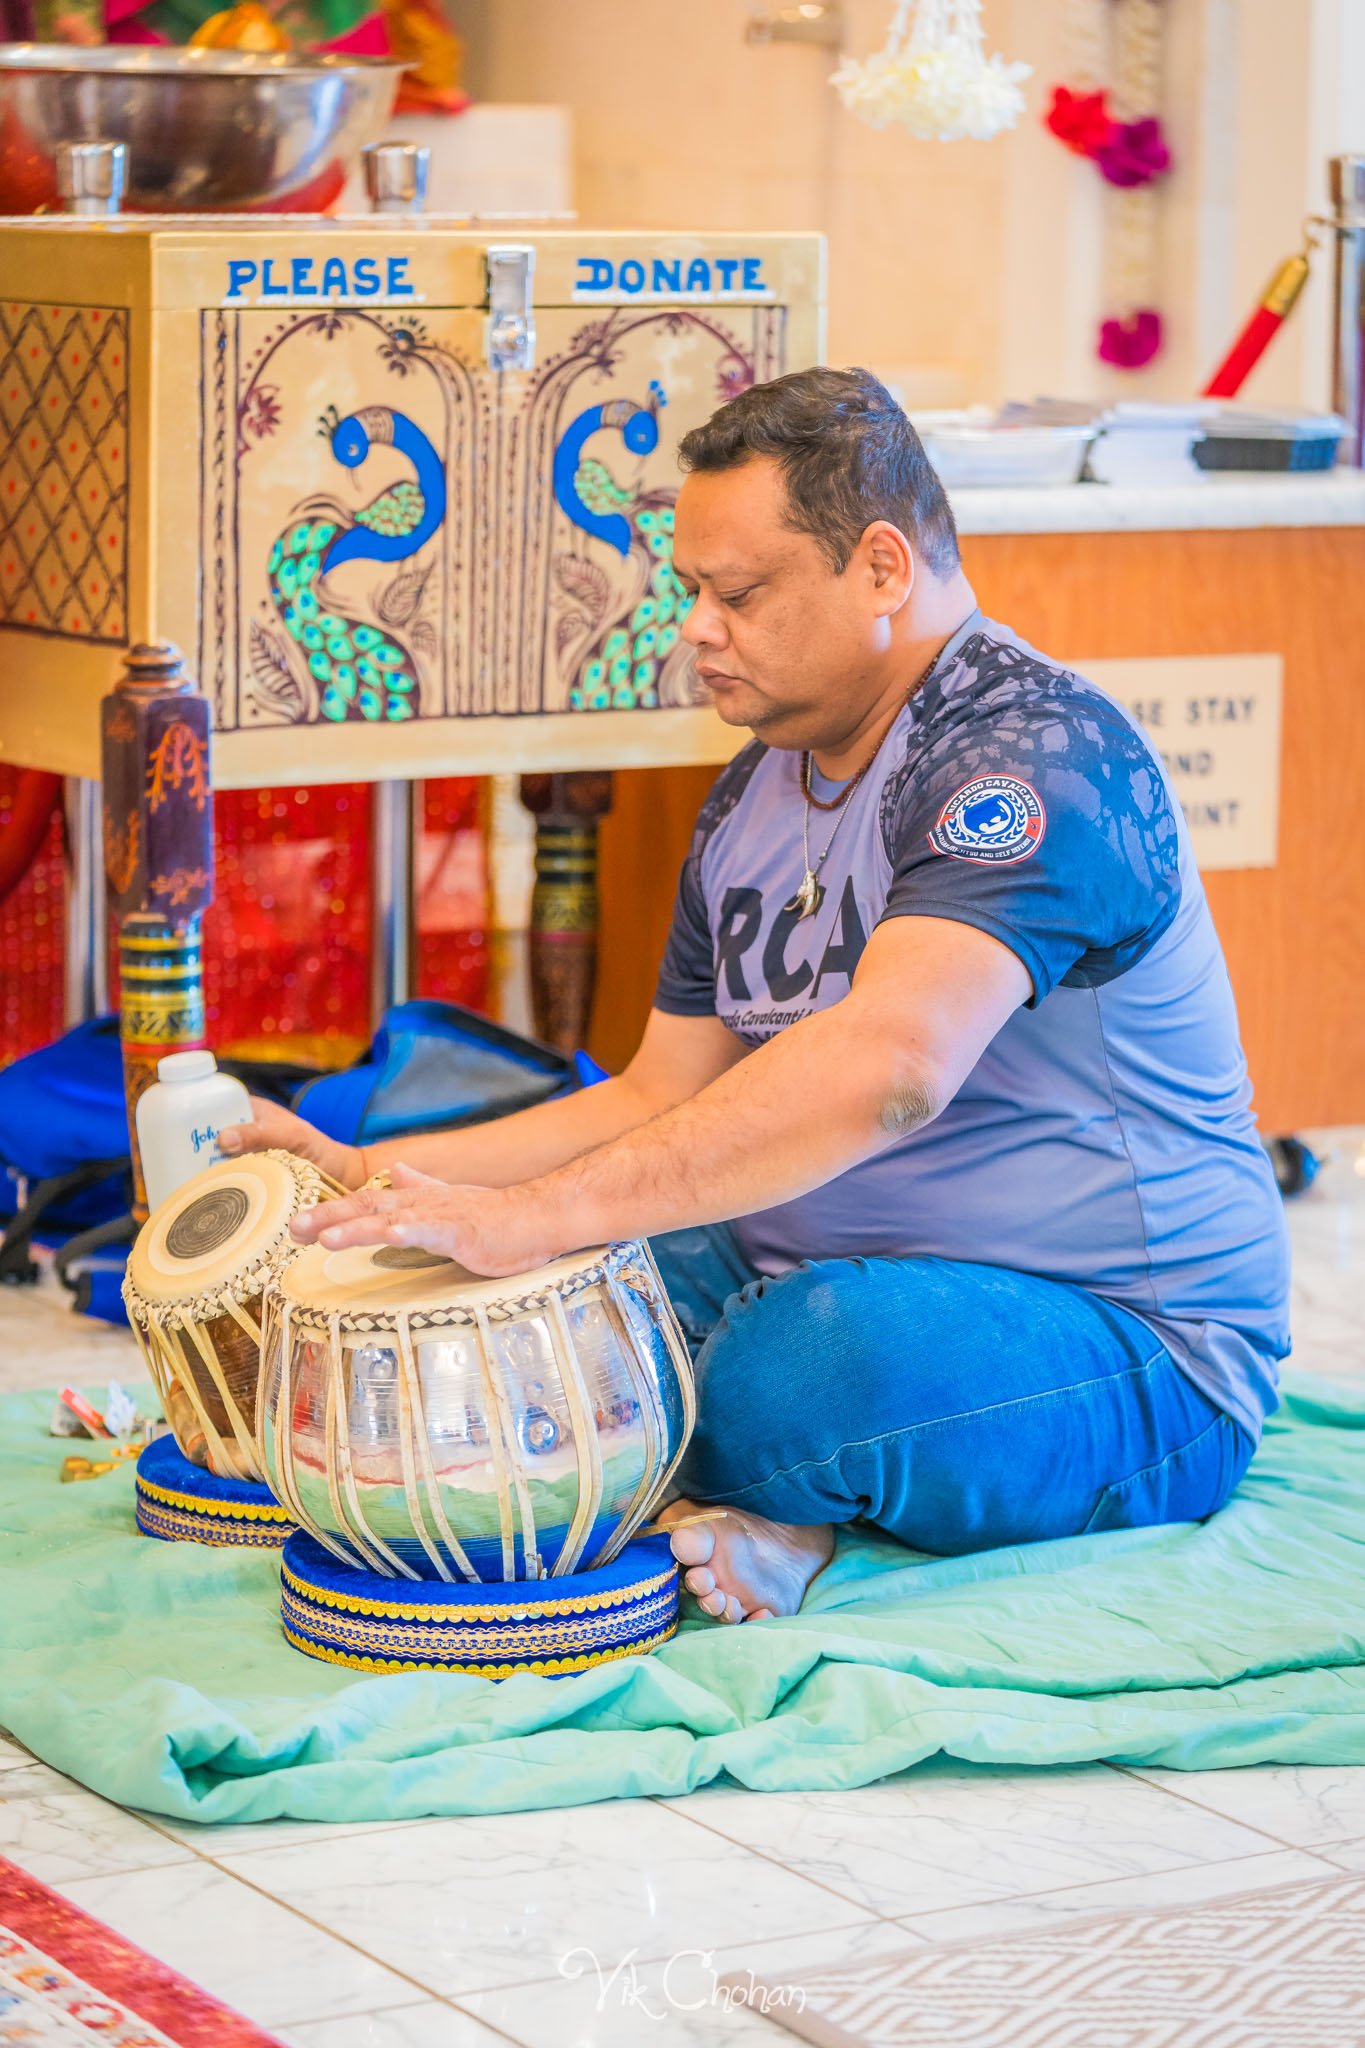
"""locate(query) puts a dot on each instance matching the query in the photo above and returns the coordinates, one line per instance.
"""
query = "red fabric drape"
(286, 942)
(33, 799)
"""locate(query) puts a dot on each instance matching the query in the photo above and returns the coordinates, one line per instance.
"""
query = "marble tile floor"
(611, 1926)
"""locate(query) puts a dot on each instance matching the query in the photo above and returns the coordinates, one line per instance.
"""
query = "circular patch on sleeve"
(992, 818)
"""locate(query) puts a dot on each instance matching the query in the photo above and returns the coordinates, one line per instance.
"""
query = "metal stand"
(1348, 299)
(395, 813)
(87, 938)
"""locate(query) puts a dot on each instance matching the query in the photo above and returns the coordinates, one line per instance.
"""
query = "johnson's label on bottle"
(670, 277)
(179, 1120)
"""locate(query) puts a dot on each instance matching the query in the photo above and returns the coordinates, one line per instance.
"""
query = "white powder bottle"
(179, 1118)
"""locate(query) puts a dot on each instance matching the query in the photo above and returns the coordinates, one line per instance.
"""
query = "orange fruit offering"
(247, 26)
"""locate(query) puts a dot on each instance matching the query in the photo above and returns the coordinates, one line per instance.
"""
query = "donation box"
(401, 489)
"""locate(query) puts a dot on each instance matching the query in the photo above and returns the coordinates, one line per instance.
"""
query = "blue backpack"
(437, 1066)
(64, 1165)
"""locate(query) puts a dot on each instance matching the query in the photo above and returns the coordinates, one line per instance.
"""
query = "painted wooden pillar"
(564, 909)
(158, 858)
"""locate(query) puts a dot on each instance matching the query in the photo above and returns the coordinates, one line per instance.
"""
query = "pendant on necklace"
(807, 899)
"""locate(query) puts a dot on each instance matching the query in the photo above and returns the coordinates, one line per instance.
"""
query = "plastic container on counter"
(977, 449)
(1147, 444)
(1274, 442)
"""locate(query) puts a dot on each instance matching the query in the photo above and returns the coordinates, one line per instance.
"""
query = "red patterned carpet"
(65, 1978)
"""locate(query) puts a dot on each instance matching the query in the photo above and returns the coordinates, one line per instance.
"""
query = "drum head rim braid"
(311, 1290)
(287, 1186)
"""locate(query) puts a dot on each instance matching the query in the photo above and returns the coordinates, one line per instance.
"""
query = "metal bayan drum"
(423, 1423)
(193, 1290)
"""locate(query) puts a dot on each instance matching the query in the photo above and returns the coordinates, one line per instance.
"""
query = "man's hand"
(273, 1129)
(493, 1231)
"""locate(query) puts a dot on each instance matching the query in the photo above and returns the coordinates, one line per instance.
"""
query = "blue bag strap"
(17, 1266)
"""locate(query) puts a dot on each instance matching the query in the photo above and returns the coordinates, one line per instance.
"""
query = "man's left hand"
(492, 1231)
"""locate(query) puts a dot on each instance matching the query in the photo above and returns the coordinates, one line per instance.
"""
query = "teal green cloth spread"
(156, 1672)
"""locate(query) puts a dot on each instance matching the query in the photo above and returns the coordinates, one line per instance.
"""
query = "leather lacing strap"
(413, 1424)
(587, 1444)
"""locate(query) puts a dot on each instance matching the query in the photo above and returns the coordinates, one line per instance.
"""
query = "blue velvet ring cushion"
(548, 1626)
(185, 1503)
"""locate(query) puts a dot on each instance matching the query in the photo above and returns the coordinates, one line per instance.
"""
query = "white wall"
(973, 269)
(1268, 90)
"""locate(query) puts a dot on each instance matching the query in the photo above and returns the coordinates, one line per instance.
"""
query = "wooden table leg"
(563, 946)
(158, 858)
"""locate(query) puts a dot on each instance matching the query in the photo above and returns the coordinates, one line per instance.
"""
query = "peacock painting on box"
(394, 533)
(363, 668)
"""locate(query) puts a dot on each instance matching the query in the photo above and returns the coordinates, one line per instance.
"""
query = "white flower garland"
(935, 79)
(1134, 242)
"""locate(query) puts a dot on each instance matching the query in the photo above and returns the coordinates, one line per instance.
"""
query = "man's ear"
(891, 563)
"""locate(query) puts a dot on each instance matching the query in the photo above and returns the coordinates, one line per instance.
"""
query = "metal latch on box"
(511, 340)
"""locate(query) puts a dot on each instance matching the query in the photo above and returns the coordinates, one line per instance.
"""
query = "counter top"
(1333, 498)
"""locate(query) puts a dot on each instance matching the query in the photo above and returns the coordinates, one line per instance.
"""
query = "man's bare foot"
(742, 1567)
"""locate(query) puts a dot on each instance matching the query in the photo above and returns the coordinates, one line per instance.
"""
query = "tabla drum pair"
(418, 1424)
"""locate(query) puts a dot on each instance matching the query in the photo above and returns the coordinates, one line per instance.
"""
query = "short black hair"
(848, 456)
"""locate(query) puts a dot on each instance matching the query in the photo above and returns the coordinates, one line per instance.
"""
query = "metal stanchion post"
(395, 814)
(87, 937)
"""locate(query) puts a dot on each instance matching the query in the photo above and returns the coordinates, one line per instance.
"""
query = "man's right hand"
(273, 1129)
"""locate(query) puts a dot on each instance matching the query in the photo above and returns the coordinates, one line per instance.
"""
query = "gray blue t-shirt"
(1105, 1136)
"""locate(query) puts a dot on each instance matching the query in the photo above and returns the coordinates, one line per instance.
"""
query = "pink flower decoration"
(1128, 344)
(1135, 153)
(369, 38)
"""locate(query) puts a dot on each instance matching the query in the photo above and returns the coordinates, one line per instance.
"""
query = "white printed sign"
(1215, 721)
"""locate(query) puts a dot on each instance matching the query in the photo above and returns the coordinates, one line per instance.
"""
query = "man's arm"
(677, 1057)
(830, 1091)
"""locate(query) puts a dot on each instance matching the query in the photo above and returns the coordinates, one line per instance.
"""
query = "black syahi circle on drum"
(208, 1223)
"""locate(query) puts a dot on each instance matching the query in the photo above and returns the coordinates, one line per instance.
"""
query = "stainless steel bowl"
(216, 131)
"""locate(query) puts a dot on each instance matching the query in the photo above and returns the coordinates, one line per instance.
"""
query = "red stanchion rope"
(1268, 316)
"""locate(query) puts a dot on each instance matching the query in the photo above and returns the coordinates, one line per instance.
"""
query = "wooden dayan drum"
(422, 1423)
(193, 1292)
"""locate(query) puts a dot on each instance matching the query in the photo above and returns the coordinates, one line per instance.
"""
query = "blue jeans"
(958, 1407)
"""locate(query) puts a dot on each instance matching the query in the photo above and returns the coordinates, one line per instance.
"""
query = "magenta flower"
(1136, 153)
(1128, 344)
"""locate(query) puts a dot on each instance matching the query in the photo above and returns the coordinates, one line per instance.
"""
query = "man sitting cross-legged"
(939, 1126)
